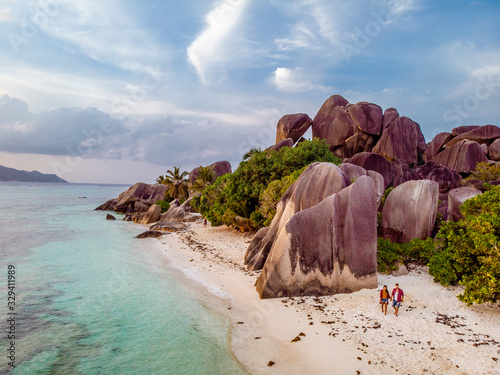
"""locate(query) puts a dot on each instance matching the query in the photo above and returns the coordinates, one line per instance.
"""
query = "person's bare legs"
(385, 308)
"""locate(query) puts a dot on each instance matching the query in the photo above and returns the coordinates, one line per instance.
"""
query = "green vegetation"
(165, 205)
(466, 252)
(206, 177)
(389, 254)
(485, 172)
(469, 253)
(248, 196)
(176, 182)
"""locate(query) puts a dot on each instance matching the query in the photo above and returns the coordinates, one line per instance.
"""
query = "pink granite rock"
(326, 249)
(332, 123)
(390, 114)
(483, 134)
(410, 211)
(436, 146)
(494, 150)
(220, 168)
(402, 140)
(462, 157)
(456, 198)
(318, 181)
(463, 129)
(292, 126)
(446, 177)
(366, 116)
(288, 142)
(374, 162)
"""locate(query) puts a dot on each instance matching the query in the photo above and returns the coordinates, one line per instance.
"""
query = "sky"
(122, 90)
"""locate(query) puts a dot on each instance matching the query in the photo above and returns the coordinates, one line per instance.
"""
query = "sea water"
(90, 298)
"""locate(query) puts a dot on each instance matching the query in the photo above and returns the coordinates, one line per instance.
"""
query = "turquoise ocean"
(93, 299)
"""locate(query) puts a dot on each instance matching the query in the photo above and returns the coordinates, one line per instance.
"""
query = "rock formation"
(288, 142)
(462, 156)
(317, 182)
(482, 134)
(152, 215)
(325, 249)
(374, 162)
(446, 177)
(137, 198)
(456, 198)
(410, 211)
(401, 140)
(292, 126)
(220, 168)
(150, 234)
(494, 150)
(437, 145)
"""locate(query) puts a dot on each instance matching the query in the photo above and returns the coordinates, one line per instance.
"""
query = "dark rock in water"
(150, 234)
(332, 123)
(318, 181)
(220, 168)
(366, 116)
(328, 248)
(456, 198)
(483, 134)
(463, 129)
(168, 226)
(402, 140)
(403, 173)
(137, 198)
(292, 126)
(410, 211)
(374, 162)
(446, 177)
(437, 145)
(283, 143)
(462, 157)
(390, 114)
(110, 217)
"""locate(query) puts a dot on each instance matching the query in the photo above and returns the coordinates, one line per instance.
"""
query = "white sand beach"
(346, 333)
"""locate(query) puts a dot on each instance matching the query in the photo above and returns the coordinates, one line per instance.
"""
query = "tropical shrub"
(485, 172)
(164, 205)
(390, 254)
(469, 251)
(237, 196)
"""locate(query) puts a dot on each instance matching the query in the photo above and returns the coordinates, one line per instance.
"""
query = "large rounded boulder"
(326, 249)
(456, 198)
(462, 157)
(318, 181)
(410, 211)
(332, 123)
(402, 140)
(292, 126)
(374, 162)
(140, 195)
(437, 145)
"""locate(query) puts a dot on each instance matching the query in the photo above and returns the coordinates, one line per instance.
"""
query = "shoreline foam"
(344, 333)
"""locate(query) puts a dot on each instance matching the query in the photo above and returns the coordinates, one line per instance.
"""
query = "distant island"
(11, 174)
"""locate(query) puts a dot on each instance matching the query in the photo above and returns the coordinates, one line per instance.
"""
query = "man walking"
(397, 298)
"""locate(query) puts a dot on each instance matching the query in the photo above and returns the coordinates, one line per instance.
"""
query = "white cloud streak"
(207, 49)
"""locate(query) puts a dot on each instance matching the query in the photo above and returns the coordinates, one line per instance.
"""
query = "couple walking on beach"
(396, 296)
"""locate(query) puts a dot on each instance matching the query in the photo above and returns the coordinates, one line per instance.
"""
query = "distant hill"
(11, 174)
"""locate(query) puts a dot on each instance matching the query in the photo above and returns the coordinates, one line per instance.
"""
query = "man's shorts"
(396, 304)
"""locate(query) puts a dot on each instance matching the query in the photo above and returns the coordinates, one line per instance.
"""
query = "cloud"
(207, 49)
(293, 80)
(5, 15)
(107, 32)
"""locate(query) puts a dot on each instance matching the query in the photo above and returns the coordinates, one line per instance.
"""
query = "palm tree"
(176, 182)
(251, 152)
(206, 176)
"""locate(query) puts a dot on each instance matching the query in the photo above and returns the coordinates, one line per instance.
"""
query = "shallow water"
(93, 299)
